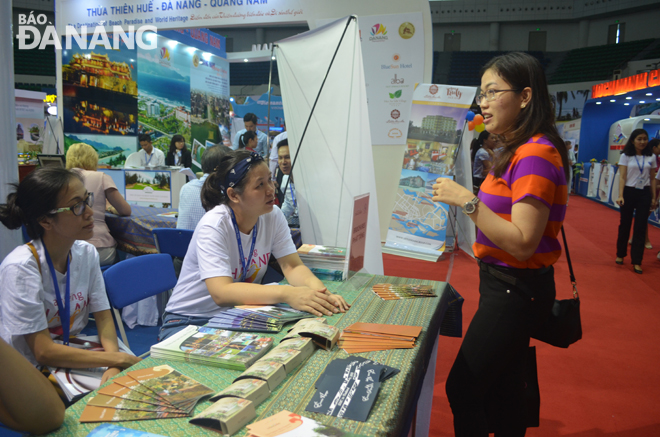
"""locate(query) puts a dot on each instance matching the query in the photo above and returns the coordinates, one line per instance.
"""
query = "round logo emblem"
(395, 114)
(433, 89)
(406, 30)
(195, 60)
(396, 57)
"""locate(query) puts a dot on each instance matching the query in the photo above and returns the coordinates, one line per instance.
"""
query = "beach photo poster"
(100, 89)
(163, 106)
(112, 150)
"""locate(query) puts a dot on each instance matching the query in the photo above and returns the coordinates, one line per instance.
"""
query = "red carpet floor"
(607, 384)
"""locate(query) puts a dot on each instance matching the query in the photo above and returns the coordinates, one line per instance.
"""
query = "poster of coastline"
(209, 99)
(437, 118)
(112, 150)
(163, 106)
(99, 89)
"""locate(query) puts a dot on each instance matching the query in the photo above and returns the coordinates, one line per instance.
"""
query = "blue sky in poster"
(164, 73)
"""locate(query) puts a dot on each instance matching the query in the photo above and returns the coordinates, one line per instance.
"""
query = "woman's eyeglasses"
(79, 207)
(490, 95)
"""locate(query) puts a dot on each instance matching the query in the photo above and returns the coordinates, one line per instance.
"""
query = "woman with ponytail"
(248, 141)
(229, 251)
(50, 285)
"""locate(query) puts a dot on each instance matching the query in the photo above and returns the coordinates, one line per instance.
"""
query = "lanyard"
(293, 196)
(150, 156)
(641, 168)
(244, 267)
(178, 158)
(64, 310)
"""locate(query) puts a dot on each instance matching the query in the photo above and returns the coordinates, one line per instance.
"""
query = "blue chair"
(137, 278)
(172, 241)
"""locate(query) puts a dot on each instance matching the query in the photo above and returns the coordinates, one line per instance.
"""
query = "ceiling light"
(612, 100)
(206, 56)
(642, 101)
(628, 98)
(172, 43)
(626, 104)
(649, 94)
(245, 60)
(598, 103)
(191, 50)
(647, 119)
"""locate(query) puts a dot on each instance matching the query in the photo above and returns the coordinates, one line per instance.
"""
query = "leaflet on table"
(289, 358)
(255, 390)
(324, 335)
(338, 366)
(126, 404)
(75, 383)
(349, 395)
(288, 424)
(101, 414)
(227, 415)
(270, 371)
(110, 430)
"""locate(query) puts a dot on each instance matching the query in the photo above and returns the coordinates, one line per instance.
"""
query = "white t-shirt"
(635, 178)
(27, 298)
(213, 252)
(157, 158)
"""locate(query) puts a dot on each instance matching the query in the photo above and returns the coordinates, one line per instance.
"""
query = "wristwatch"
(471, 206)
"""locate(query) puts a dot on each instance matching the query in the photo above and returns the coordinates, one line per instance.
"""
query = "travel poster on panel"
(29, 124)
(99, 89)
(148, 188)
(209, 98)
(112, 150)
(437, 118)
(164, 91)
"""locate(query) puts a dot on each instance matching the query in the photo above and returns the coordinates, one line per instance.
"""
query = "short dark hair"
(35, 197)
(629, 149)
(212, 157)
(282, 143)
(250, 117)
(655, 142)
(212, 195)
(144, 137)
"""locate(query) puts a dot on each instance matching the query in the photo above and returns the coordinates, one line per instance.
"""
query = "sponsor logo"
(395, 133)
(30, 37)
(396, 57)
(396, 65)
(397, 81)
(164, 53)
(378, 33)
(433, 89)
(396, 94)
(195, 60)
(407, 30)
(395, 114)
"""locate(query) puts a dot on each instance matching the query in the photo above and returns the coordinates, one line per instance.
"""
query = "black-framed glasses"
(79, 207)
(490, 95)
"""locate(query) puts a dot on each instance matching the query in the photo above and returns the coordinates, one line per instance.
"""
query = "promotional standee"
(437, 118)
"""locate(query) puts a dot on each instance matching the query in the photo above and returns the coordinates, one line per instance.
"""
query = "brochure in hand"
(76, 383)
(323, 335)
(349, 395)
(227, 415)
(287, 424)
(213, 347)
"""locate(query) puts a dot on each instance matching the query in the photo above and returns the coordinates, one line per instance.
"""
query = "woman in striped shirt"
(519, 212)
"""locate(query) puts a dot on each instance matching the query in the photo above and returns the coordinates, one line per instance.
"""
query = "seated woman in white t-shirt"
(49, 289)
(229, 251)
(83, 158)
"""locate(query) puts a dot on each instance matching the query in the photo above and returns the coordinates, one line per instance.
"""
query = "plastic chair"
(172, 241)
(135, 279)
(133, 160)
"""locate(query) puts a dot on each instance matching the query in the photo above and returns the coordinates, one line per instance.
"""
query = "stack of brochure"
(368, 337)
(326, 262)
(213, 347)
(256, 318)
(155, 393)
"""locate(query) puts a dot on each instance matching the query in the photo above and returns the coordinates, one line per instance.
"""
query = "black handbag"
(564, 326)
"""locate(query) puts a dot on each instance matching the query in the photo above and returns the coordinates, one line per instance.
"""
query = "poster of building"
(437, 118)
(164, 91)
(99, 89)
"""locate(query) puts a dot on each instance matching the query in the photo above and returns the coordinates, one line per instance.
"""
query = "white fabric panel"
(466, 231)
(336, 162)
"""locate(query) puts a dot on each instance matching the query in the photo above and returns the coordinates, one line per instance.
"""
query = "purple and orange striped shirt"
(536, 171)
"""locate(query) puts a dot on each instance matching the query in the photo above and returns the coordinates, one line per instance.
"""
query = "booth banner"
(605, 183)
(436, 126)
(100, 89)
(393, 55)
(259, 107)
(29, 108)
(594, 180)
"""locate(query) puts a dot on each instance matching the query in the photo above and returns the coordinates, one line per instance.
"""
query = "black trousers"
(486, 387)
(638, 203)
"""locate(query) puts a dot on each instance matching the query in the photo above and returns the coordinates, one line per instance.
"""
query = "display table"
(134, 233)
(396, 400)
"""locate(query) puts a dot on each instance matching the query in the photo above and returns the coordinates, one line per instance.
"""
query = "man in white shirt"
(289, 204)
(273, 152)
(250, 121)
(190, 202)
(150, 157)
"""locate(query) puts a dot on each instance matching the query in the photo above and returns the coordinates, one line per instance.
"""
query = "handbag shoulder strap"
(570, 265)
(36, 255)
